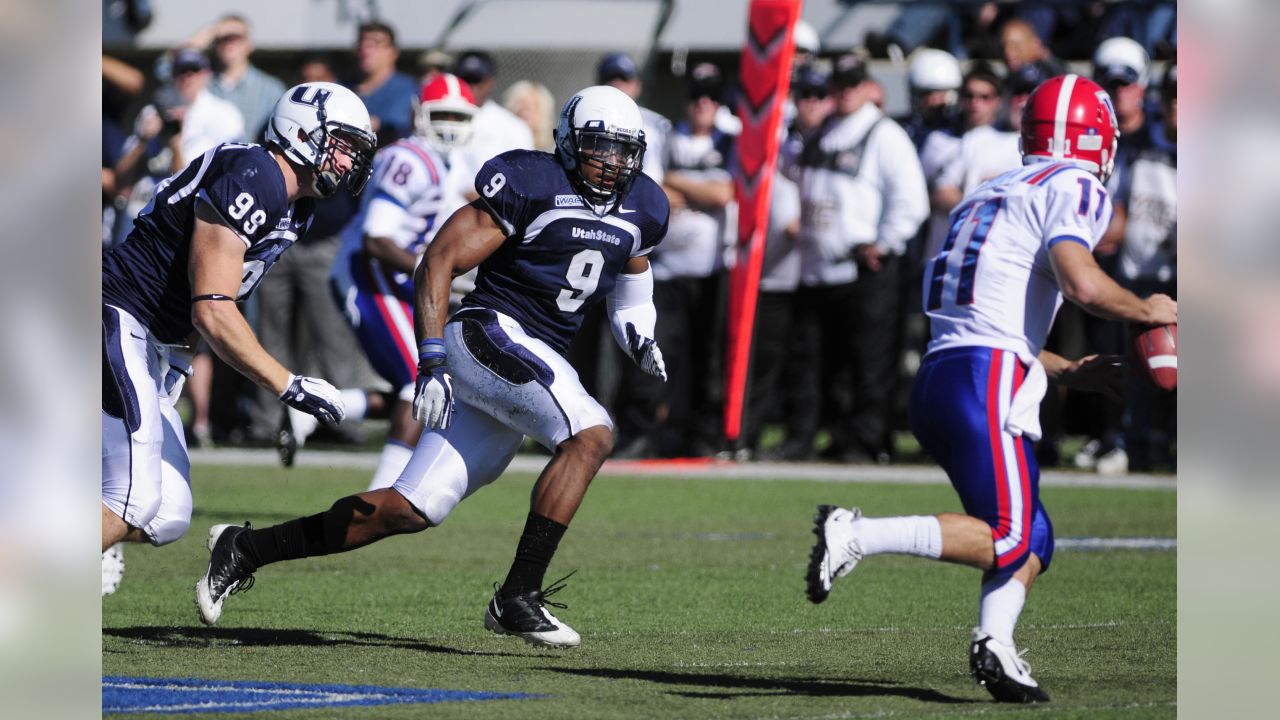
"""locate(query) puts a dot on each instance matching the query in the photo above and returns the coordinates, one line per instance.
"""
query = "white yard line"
(810, 472)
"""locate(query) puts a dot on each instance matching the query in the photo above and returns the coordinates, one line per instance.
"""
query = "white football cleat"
(112, 568)
(835, 553)
(1002, 671)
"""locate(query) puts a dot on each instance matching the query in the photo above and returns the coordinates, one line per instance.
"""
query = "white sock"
(357, 403)
(1002, 602)
(395, 455)
(918, 535)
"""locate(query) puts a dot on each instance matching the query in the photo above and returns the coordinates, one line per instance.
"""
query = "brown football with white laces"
(1156, 353)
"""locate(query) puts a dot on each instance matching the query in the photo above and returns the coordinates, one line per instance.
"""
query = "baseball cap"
(706, 80)
(810, 81)
(475, 66)
(1120, 59)
(189, 60)
(1026, 78)
(616, 66)
(850, 70)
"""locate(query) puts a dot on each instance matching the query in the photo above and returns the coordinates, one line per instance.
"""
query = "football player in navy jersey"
(551, 234)
(202, 243)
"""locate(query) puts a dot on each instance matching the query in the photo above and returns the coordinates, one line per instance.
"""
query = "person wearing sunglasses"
(984, 151)
(252, 91)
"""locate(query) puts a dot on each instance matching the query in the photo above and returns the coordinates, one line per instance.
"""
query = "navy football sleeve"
(657, 211)
(244, 188)
(502, 194)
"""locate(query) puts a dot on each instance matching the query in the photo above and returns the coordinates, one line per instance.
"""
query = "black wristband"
(211, 296)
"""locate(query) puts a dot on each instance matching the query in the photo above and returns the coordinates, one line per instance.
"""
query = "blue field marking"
(192, 695)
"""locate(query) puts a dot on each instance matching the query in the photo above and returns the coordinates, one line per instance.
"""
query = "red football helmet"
(443, 112)
(1071, 118)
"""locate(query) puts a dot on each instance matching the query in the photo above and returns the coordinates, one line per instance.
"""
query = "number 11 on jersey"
(976, 220)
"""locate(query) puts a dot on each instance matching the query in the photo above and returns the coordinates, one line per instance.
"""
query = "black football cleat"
(1002, 671)
(228, 572)
(526, 616)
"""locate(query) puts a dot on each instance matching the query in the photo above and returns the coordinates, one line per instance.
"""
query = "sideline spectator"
(780, 273)
(432, 64)
(933, 80)
(205, 120)
(1148, 264)
(1021, 45)
(863, 197)
(252, 91)
(495, 129)
(1121, 67)
(386, 92)
(984, 151)
(620, 71)
(532, 103)
(316, 67)
(682, 416)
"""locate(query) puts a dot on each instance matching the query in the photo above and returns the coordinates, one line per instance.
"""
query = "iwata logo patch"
(568, 201)
(190, 695)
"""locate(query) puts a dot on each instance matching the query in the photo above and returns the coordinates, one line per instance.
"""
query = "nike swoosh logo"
(497, 610)
(624, 211)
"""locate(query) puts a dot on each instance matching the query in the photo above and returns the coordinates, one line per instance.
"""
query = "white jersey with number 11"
(992, 284)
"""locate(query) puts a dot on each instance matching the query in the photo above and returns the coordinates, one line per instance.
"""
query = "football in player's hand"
(1155, 351)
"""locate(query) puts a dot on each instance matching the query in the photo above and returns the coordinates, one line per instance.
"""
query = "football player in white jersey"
(373, 272)
(1017, 245)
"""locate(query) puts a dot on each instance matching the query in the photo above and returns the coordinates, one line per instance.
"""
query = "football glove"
(433, 392)
(179, 371)
(315, 397)
(645, 352)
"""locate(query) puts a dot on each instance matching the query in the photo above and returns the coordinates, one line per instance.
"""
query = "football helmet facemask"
(314, 120)
(444, 111)
(600, 142)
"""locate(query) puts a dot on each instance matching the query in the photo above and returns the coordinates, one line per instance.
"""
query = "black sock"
(300, 538)
(533, 555)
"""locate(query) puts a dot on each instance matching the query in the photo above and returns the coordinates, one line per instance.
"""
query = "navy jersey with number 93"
(559, 257)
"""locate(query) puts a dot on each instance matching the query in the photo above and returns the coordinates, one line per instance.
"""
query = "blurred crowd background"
(839, 336)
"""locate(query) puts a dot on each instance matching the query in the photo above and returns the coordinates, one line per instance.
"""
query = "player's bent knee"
(595, 443)
(163, 530)
(438, 505)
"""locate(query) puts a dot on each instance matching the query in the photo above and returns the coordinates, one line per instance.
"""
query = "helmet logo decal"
(310, 95)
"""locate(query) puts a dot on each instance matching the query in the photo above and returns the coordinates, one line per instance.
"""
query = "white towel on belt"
(1024, 410)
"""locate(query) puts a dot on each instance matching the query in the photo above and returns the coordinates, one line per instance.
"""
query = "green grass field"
(689, 597)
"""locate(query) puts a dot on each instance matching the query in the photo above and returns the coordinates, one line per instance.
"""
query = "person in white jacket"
(863, 198)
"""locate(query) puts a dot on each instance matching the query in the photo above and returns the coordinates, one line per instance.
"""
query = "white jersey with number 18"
(992, 283)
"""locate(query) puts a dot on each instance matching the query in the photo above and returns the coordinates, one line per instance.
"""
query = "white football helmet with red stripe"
(1071, 118)
(443, 112)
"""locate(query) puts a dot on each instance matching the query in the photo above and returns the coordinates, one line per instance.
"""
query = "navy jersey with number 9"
(559, 257)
